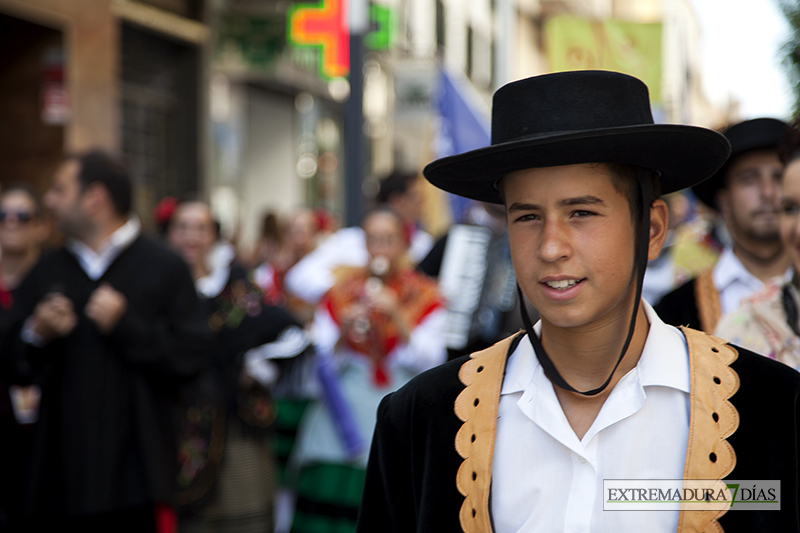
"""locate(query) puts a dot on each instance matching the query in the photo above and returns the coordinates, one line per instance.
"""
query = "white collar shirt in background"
(218, 263)
(96, 263)
(545, 479)
(93, 263)
(734, 282)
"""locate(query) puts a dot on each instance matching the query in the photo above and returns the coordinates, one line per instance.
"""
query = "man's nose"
(47, 200)
(555, 242)
(770, 187)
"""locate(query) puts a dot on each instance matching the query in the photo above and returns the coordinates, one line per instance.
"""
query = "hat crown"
(568, 101)
(755, 133)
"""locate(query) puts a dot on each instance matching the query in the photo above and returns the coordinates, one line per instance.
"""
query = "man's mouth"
(767, 212)
(562, 284)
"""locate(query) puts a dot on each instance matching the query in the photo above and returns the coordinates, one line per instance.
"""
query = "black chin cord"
(640, 264)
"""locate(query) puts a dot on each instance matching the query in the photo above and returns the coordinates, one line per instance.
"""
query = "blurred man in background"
(109, 325)
(746, 191)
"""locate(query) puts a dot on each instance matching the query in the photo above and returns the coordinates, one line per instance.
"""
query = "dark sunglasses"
(21, 216)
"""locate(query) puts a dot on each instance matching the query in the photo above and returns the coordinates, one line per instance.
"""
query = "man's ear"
(659, 224)
(94, 196)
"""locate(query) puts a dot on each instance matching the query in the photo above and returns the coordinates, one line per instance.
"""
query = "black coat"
(106, 438)
(410, 482)
(679, 307)
(261, 325)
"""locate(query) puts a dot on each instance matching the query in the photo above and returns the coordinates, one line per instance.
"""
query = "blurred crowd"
(172, 382)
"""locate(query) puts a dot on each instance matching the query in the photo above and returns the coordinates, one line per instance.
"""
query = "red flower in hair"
(324, 219)
(164, 209)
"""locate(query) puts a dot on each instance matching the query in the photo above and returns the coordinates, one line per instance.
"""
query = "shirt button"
(582, 459)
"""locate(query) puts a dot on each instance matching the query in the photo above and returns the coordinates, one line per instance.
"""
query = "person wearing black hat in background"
(519, 437)
(746, 191)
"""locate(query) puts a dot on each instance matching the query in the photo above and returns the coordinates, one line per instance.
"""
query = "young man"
(109, 326)
(746, 190)
(521, 436)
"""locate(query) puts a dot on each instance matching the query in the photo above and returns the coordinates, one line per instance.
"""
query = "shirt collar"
(96, 263)
(664, 360)
(218, 263)
(730, 269)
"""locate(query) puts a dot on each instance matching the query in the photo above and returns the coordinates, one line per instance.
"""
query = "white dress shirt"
(545, 479)
(734, 282)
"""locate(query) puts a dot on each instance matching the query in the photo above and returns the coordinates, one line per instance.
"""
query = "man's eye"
(528, 217)
(582, 213)
(747, 179)
(790, 209)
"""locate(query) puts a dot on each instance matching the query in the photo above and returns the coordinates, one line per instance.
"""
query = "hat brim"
(684, 155)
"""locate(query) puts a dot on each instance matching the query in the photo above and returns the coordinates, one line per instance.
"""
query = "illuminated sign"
(384, 22)
(322, 25)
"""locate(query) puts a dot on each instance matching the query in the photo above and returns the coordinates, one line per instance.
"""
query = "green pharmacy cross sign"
(323, 25)
(383, 22)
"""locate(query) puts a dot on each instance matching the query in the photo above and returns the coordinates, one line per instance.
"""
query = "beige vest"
(707, 297)
(708, 454)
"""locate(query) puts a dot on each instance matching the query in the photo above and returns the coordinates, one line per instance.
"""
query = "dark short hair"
(395, 183)
(626, 182)
(98, 166)
(25, 188)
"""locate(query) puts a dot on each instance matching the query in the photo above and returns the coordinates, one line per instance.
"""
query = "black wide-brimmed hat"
(579, 117)
(745, 136)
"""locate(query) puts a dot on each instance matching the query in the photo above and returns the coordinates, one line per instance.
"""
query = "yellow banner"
(629, 47)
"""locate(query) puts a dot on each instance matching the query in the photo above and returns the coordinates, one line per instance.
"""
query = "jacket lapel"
(713, 419)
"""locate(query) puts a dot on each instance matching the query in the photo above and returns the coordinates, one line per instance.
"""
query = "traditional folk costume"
(435, 454)
(369, 363)
(700, 302)
(767, 323)
(482, 444)
(229, 476)
(315, 273)
(105, 440)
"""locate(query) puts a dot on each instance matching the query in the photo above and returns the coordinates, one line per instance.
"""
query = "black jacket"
(410, 482)
(105, 439)
(679, 307)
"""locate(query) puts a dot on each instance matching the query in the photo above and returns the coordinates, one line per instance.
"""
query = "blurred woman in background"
(374, 330)
(23, 230)
(228, 475)
(290, 242)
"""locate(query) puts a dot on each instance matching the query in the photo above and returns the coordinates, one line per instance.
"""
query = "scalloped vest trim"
(708, 454)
